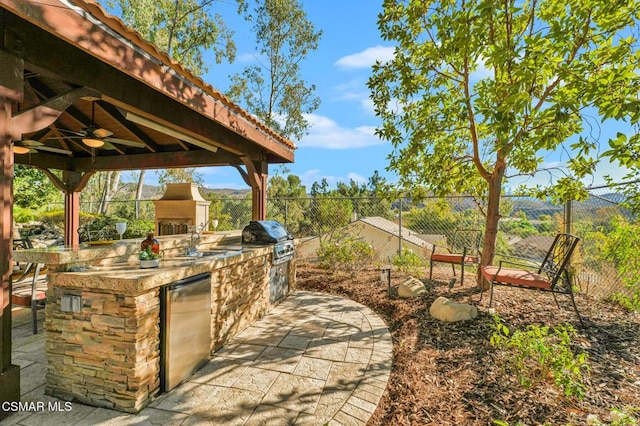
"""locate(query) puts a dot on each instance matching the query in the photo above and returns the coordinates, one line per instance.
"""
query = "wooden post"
(256, 177)
(11, 90)
(259, 206)
(71, 219)
(9, 374)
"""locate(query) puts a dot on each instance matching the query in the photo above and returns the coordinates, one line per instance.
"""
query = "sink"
(220, 253)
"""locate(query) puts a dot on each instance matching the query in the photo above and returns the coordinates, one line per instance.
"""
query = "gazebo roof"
(93, 72)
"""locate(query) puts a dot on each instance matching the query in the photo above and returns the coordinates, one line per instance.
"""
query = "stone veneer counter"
(130, 279)
(107, 353)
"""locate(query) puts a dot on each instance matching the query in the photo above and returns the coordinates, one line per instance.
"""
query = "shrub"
(621, 247)
(23, 215)
(346, 254)
(540, 353)
(407, 261)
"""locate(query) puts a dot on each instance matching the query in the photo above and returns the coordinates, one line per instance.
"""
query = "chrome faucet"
(194, 241)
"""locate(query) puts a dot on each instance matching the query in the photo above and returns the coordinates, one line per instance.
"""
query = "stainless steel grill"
(272, 232)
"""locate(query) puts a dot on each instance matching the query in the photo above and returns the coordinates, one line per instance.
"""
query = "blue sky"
(341, 144)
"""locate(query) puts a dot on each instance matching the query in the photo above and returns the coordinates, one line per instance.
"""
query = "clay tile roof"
(117, 25)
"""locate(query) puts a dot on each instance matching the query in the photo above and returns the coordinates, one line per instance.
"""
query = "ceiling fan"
(96, 137)
(30, 146)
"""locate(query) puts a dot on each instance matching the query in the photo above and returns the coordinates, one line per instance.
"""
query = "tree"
(32, 189)
(477, 89)
(288, 202)
(185, 174)
(183, 29)
(274, 90)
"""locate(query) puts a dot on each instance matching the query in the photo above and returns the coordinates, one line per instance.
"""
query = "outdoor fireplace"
(180, 207)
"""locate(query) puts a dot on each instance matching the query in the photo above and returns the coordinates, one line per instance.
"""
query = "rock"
(412, 287)
(449, 311)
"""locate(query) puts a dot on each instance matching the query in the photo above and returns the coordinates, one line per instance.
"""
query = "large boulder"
(411, 287)
(450, 311)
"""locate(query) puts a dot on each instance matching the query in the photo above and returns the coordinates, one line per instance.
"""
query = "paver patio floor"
(315, 359)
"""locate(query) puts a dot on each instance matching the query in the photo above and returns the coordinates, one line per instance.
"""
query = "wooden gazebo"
(80, 93)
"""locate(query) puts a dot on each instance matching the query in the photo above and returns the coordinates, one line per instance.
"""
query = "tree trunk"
(491, 226)
(111, 186)
(139, 192)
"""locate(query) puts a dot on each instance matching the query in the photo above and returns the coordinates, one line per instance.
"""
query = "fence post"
(286, 211)
(400, 227)
(567, 216)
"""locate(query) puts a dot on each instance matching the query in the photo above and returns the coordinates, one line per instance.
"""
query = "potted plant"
(149, 259)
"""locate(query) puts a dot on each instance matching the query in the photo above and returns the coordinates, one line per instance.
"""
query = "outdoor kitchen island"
(102, 317)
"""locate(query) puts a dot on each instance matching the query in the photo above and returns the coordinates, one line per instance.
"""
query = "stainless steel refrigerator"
(185, 329)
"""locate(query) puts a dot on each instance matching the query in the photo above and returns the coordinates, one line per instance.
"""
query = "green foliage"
(185, 174)
(184, 29)
(32, 189)
(287, 202)
(541, 353)
(274, 90)
(148, 254)
(137, 228)
(24, 215)
(408, 261)
(474, 90)
(433, 217)
(623, 417)
(329, 214)
(621, 247)
(520, 227)
(345, 253)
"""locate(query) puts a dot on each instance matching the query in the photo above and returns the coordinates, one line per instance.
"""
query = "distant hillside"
(228, 192)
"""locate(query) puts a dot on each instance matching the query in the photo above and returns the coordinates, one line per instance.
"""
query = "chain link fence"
(526, 229)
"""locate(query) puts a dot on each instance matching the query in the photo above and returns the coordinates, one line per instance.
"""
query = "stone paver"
(314, 359)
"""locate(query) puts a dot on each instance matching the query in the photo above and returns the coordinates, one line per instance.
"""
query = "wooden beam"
(43, 115)
(128, 79)
(177, 159)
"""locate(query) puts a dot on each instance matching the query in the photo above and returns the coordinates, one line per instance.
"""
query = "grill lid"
(265, 232)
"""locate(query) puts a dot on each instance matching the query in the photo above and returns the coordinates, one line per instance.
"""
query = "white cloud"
(367, 105)
(481, 71)
(356, 178)
(247, 58)
(326, 133)
(366, 58)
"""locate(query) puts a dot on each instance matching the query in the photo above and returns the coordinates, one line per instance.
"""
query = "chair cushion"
(518, 277)
(452, 258)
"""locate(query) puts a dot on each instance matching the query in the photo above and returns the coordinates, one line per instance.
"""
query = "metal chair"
(38, 298)
(551, 275)
(464, 250)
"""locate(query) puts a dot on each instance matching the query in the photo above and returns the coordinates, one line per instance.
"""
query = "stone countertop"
(129, 279)
(118, 250)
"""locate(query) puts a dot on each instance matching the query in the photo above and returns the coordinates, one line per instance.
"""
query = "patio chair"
(551, 275)
(38, 298)
(464, 250)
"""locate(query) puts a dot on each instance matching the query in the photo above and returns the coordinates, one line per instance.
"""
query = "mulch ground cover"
(450, 374)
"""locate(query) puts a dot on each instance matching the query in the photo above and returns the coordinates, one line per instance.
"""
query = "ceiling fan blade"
(125, 142)
(56, 150)
(31, 142)
(102, 133)
(108, 146)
